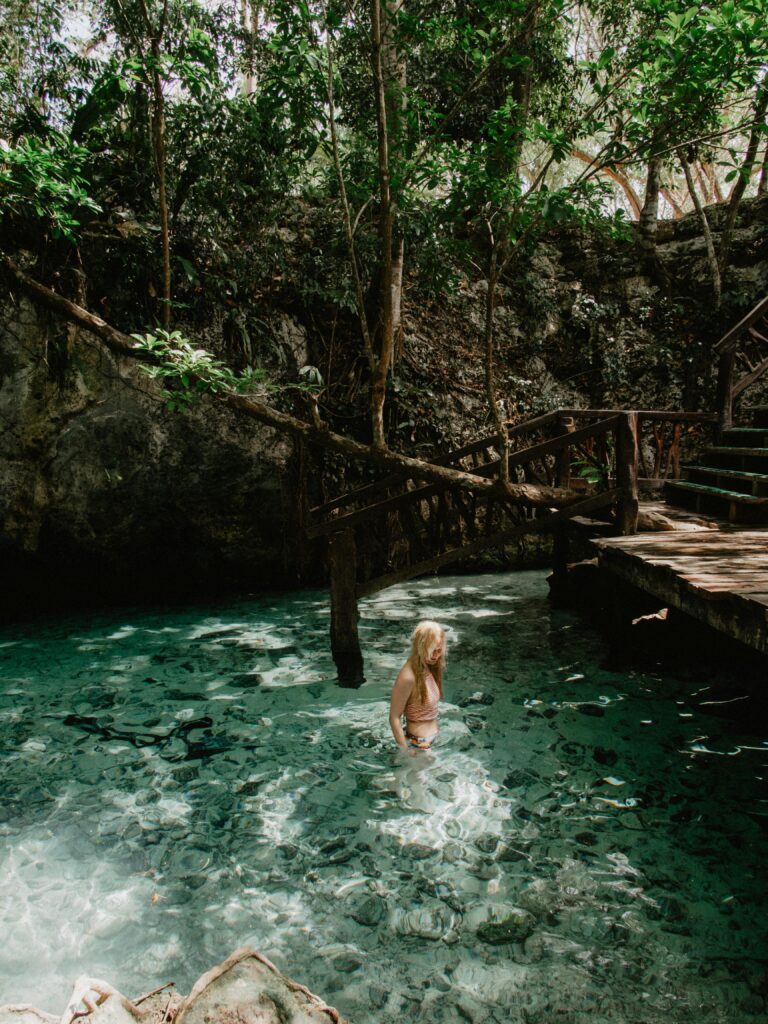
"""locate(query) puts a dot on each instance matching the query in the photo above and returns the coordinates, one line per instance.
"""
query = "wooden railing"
(557, 453)
(594, 460)
(742, 359)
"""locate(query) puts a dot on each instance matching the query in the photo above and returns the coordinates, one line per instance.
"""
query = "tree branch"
(125, 346)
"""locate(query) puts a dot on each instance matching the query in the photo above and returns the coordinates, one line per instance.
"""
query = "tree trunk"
(158, 137)
(249, 20)
(762, 185)
(349, 227)
(345, 642)
(626, 474)
(395, 80)
(495, 410)
(155, 35)
(745, 173)
(649, 215)
(386, 234)
(714, 266)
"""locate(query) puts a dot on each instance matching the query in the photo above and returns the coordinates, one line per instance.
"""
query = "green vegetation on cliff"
(353, 164)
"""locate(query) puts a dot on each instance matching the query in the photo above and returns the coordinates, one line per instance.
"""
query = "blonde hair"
(426, 634)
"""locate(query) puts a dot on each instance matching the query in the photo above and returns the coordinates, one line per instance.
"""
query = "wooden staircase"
(731, 481)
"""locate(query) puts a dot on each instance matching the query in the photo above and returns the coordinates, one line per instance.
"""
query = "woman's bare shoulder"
(406, 674)
(406, 680)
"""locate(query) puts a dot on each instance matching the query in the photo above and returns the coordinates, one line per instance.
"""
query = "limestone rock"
(654, 522)
(97, 1002)
(25, 1015)
(248, 989)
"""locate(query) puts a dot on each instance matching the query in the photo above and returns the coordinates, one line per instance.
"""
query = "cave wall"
(107, 496)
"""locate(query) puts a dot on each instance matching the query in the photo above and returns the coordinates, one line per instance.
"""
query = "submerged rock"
(515, 926)
(485, 699)
(367, 910)
(430, 921)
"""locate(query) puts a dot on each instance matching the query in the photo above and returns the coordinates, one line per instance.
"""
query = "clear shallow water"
(175, 785)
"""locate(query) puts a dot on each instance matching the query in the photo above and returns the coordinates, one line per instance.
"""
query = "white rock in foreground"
(94, 1000)
(245, 989)
(248, 989)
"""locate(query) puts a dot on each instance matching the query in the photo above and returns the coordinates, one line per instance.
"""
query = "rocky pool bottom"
(582, 844)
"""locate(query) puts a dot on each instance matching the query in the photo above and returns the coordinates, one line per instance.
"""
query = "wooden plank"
(543, 523)
(717, 576)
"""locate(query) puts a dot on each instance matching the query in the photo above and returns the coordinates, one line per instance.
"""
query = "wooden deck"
(718, 575)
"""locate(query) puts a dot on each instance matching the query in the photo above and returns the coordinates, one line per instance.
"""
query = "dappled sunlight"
(187, 783)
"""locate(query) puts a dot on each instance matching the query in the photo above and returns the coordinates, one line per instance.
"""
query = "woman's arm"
(401, 692)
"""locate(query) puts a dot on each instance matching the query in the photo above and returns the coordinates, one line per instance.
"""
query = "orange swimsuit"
(426, 712)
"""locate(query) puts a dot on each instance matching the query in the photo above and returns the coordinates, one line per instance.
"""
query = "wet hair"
(426, 634)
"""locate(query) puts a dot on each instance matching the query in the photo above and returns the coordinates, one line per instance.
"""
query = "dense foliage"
(343, 160)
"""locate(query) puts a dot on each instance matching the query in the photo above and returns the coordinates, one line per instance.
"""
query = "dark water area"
(586, 842)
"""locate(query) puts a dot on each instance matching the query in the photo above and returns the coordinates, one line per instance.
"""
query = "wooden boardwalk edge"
(717, 576)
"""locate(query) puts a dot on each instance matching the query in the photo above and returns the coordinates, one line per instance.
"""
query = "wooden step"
(753, 460)
(731, 505)
(745, 437)
(736, 479)
(758, 414)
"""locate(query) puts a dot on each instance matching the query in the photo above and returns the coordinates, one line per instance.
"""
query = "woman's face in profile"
(435, 651)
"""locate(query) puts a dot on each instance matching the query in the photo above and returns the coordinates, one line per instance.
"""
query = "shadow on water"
(583, 841)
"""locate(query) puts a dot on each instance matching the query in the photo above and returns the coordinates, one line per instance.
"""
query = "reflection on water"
(581, 845)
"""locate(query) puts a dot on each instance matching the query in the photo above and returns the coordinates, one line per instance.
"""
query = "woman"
(418, 689)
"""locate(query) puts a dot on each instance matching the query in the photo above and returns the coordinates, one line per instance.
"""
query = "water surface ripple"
(583, 845)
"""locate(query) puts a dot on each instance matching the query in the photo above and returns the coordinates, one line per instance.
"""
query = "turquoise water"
(583, 845)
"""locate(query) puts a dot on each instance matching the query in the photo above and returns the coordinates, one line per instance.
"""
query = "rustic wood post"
(345, 643)
(725, 389)
(560, 544)
(563, 471)
(626, 473)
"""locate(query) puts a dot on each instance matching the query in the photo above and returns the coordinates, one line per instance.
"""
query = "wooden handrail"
(729, 358)
(729, 341)
(516, 458)
(368, 491)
